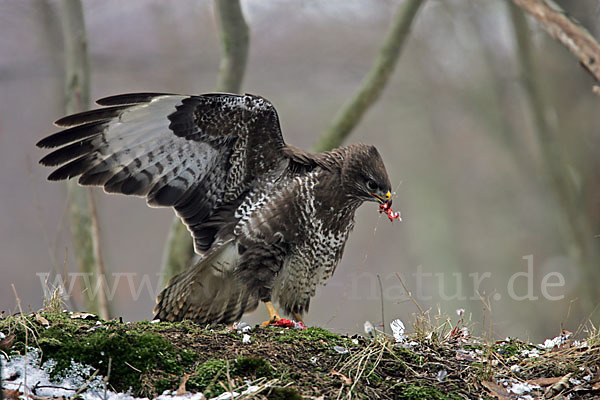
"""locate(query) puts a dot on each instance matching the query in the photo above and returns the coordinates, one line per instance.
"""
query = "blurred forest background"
(488, 127)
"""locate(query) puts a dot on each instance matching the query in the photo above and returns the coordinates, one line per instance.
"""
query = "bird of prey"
(269, 221)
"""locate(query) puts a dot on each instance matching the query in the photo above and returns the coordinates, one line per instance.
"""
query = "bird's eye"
(371, 185)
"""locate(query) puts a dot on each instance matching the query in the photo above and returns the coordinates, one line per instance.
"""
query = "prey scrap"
(391, 214)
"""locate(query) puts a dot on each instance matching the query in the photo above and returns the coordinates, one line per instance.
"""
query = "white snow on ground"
(25, 374)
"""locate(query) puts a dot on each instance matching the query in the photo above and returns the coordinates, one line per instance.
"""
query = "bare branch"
(375, 81)
(235, 37)
(84, 226)
(569, 32)
(578, 237)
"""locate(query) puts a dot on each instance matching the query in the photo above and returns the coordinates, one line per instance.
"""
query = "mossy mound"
(279, 363)
(130, 355)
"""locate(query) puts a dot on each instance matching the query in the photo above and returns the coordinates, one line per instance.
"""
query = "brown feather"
(271, 220)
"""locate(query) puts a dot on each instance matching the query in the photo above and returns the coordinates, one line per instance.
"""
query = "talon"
(297, 317)
(274, 317)
(271, 321)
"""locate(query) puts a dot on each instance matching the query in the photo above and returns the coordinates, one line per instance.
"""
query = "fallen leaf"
(83, 315)
(10, 394)
(41, 320)
(343, 377)
(7, 342)
(496, 390)
(562, 384)
(466, 355)
(544, 381)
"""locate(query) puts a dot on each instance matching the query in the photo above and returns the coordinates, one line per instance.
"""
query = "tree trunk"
(84, 222)
(235, 38)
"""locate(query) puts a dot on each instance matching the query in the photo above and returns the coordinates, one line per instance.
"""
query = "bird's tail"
(207, 292)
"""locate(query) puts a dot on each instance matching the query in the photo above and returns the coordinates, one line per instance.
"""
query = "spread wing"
(194, 153)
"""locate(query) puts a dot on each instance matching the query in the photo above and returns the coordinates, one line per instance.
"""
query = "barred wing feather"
(193, 153)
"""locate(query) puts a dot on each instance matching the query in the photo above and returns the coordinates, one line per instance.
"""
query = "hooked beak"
(386, 199)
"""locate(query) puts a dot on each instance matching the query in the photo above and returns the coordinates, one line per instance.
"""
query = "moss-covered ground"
(148, 358)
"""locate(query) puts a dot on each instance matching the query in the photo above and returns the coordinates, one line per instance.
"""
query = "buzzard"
(268, 220)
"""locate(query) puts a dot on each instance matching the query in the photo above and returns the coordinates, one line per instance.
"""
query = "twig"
(229, 381)
(360, 362)
(86, 384)
(36, 397)
(487, 308)
(107, 378)
(102, 303)
(38, 386)
(567, 31)
(131, 366)
(381, 297)
(375, 80)
(409, 294)
(18, 300)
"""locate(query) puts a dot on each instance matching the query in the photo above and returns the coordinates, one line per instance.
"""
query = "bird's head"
(364, 175)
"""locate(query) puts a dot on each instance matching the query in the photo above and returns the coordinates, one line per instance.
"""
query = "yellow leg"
(274, 317)
(297, 317)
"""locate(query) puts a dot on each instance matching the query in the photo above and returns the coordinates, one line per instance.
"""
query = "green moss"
(279, 393)
(131, 353)
(49, 342)
(413, 392)
(145, 357)
(507, 350)
(141, 359)
(511, 349)
(311, 334)
(165, 326)
(134, 350)
(394, 368)
(407, 356)
(253, 366)
(373, 378)
(474, 347)
(208, 374)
